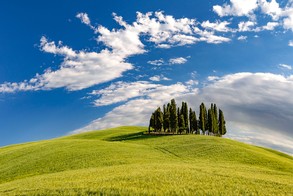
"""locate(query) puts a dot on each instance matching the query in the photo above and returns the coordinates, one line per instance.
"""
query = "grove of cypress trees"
(177, 119)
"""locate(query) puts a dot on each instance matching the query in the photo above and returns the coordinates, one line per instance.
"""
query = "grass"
(124, 161)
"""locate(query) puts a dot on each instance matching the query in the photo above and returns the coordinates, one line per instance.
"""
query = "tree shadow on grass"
(136, 136)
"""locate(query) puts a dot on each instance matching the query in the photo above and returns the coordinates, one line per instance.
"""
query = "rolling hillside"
(125, 161)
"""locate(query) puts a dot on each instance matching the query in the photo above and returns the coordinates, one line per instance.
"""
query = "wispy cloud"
(179, 60)
(242, 38)
(157, 62)
(216, 26)
(171, 61)
(123, 91)
(84, 18)
(285, 66)
(158, 78)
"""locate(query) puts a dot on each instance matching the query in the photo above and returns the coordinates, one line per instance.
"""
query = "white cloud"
(285, 66)
(22, 86)
(165, 29)
(237, 8)
(123, 91)
(209, 37)
(192, 83)
(242, 38)
(271, 8)
(171, 61)
(217, 26)
(270, 26)
(259, 99)
(157, 62)
(125, 42)
(288, 20)
(290, 43)
(84, 18)
(158, 78)
(213, 78)
(78, 70)
(246, 26)
(262, 137)
(251, 26)
(283, 15)
(179, 60)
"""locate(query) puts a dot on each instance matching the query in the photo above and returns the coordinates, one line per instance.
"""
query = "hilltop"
(126, 161)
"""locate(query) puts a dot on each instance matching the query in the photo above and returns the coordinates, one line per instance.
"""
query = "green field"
(124, 161)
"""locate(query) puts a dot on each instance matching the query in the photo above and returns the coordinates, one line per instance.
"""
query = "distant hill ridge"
(125, 161)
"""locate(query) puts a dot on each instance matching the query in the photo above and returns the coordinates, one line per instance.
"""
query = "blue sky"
(69, 67)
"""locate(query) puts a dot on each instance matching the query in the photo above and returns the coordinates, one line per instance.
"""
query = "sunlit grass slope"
(124, 161)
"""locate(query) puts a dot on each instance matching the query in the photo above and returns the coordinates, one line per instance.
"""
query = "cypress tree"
(216, 129)
(193, 121)
(166, 123)
(185, 114)
(210, 121)
(173, 116)
(158, 119)
(181, 123)
(203, 124)
(190, 120)
(222, 124)
(152, 122)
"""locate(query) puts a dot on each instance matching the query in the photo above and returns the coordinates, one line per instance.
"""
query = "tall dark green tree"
(185, 115)
(178, 113)
(158, 119)
(216, 119)
(181, 123)
(152, 122)
(173, 116)
(190, 120)
(210, 121)
(193, 121)
(203, 124)
(222, 123)
(166, 116)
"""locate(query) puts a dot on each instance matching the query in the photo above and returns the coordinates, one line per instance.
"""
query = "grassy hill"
(124, 161)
